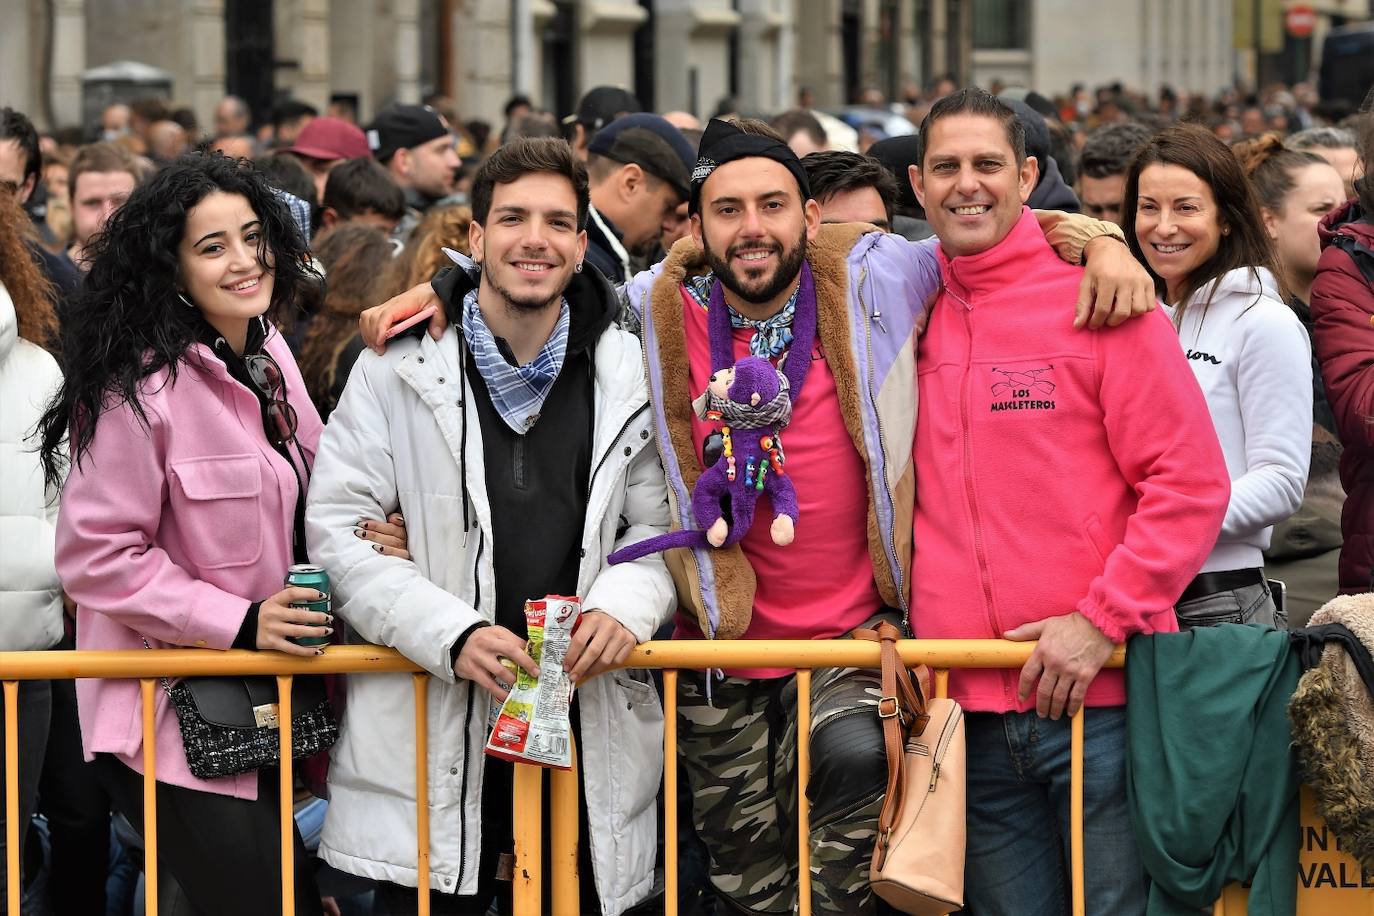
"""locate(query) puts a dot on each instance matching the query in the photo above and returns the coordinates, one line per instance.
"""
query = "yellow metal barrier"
(804, 656)
(148, 667)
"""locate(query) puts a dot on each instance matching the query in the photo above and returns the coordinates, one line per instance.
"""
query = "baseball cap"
(651, 143)
(330, 139)
(399, 127)
(601, 105)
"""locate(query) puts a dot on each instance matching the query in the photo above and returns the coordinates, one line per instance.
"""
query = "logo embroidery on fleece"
(1205, 357)
(1023, 389)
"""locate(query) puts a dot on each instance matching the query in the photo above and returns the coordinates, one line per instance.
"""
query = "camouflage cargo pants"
(739, 757)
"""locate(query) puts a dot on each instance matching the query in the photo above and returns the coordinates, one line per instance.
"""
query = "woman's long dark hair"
(128, 322)
(1246, 244)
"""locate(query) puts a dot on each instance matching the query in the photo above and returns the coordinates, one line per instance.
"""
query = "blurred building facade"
(674, 54)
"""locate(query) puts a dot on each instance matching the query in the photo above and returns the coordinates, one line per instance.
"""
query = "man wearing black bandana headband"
(757, 231)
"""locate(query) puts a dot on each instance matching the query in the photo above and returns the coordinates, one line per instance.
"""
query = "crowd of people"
(1068, 370)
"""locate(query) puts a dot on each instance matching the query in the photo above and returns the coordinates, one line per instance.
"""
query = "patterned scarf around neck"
(517, 392)
(772, 336)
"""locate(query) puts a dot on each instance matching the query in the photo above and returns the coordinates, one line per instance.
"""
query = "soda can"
(307, 575)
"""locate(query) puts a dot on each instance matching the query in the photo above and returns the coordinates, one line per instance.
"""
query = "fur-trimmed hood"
(1332, 712)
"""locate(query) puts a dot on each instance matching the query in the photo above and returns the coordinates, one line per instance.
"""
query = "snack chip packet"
(532, 725)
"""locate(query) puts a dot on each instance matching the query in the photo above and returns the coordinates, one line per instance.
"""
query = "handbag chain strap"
(166, 684)
(902, 709)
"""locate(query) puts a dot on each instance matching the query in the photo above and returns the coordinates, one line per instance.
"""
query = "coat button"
(628, 450)
(420, 358)
(643, 434)
(453, 771)
(441, 380)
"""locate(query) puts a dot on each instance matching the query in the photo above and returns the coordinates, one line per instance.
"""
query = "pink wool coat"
(169, 531)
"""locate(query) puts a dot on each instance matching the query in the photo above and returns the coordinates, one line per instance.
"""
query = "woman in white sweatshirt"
(1199, 230)
(30, 595)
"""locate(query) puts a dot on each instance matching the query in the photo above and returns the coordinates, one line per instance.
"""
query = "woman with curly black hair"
(191, 442)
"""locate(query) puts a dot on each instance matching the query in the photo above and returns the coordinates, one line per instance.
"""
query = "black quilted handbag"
(229, 724)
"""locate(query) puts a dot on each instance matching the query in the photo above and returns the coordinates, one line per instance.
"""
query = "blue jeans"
(1018, 817)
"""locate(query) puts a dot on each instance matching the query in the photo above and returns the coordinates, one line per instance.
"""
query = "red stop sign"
(1299, 21)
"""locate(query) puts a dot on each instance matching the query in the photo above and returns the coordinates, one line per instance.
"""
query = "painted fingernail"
(400, 521)
(358, 532)
(328, 631)
(329, 620)
(319, 596)
(319, 651)
(377, 547)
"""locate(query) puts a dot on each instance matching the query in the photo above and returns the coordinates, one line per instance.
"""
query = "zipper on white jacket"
(467, 722)
(463, 794)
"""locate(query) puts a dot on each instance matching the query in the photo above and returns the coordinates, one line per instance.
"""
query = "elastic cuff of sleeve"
(247, 637)
(462, 639)
(1099, 618)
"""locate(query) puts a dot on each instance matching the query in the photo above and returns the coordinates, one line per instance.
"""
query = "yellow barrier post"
(287, 799)
(670, 827)
(12, 882)
(421, 684)
(803, 807)
(1076, 812)
(563, 848)
(148, 687)
(527, 892)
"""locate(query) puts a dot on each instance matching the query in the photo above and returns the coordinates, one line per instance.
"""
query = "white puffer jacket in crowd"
(395, 441)
(30, 595)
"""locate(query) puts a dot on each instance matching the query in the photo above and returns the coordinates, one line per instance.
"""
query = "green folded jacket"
(1211, 779)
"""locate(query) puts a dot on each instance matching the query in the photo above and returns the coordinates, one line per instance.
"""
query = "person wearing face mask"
(1198, 228)
(1296, 188)
(191, 439)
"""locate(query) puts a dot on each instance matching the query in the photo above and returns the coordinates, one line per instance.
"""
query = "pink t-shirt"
(821, 585)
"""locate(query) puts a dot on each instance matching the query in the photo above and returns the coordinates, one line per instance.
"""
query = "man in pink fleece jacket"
(1069, 487)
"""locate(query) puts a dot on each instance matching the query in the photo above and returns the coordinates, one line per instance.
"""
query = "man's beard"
(789, 265)
(526, 305)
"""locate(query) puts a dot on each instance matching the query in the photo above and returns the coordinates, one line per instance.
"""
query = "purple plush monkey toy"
(752, 403)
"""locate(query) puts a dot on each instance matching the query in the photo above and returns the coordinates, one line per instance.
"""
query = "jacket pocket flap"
(219, 476)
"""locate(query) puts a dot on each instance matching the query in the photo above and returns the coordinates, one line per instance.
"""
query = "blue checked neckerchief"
(517, 392)
(772, 336)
